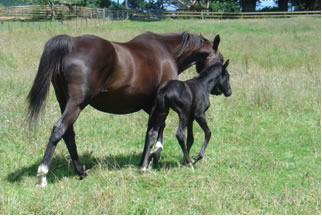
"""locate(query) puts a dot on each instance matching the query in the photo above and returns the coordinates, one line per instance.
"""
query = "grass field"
(264, 156)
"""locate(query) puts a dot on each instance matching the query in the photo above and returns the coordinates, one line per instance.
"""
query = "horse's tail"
(50, 63)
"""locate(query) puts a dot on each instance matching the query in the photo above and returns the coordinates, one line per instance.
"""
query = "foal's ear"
(216, 43)
(226, 64)
(202, 37)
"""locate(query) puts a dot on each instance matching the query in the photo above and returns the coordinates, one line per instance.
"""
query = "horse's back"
(118, 78)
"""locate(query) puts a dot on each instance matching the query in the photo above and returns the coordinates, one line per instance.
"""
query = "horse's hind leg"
(69, 136)
(69, 139)
(62, 125)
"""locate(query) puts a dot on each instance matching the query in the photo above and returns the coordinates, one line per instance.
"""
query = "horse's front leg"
(156, 154)
(155, 125)
(150, 137)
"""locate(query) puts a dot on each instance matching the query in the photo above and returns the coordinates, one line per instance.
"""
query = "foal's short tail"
(160, 99)
(50, 63)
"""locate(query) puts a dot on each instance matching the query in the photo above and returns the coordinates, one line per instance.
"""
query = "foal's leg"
(190, 134)
(181, 138)
(203, 124)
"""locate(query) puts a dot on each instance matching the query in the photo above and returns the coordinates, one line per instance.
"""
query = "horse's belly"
(121, 104)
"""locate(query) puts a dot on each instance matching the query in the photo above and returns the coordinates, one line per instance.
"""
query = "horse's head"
(209, 54)
(223, 86)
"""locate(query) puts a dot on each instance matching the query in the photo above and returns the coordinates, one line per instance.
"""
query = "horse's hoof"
(154, 158)
(84, 175)
(42, 185)
(191, 166)
(42, 182)
(143, 169)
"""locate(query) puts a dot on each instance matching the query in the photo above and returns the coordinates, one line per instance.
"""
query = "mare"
(112, 77)
(190, 99)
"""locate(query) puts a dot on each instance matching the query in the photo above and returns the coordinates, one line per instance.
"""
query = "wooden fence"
(63, 12)
(229, 15)
(37, 12)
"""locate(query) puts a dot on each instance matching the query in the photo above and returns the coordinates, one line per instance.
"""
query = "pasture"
(264, 156)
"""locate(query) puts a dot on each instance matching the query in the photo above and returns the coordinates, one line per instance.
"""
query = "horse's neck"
(181, 50)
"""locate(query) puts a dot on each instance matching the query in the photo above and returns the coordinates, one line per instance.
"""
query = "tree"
(283, 5)
(52, 4)
(306, 4)
(248, 5)
(187, 4)
(143, 4)
(224, 5)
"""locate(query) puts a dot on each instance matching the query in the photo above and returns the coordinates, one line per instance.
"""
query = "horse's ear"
(226, 64)
(216, 43)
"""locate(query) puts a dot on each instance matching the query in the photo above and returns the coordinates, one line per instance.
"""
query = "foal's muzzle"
(228, 93)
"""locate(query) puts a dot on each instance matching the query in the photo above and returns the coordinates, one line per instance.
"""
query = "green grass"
(264, 156)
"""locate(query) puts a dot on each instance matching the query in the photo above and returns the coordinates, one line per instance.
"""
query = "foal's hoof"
(83, 174)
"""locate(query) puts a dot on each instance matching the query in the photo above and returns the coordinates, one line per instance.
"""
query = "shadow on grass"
(62, 167)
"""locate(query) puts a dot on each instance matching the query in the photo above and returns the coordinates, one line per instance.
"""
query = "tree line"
(211, 5)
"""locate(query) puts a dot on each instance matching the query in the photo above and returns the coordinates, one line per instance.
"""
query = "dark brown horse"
(112, 77)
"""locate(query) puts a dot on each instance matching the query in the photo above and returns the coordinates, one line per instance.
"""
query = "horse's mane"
(189, 41)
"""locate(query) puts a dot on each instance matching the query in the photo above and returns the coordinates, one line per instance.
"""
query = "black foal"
(190, 99)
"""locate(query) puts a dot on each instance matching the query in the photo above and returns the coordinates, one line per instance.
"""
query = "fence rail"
(37, 12)
(229, 15)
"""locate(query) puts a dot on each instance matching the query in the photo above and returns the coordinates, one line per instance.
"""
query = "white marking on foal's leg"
(41, 174)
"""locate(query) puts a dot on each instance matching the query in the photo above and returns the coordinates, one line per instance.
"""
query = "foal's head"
(222, 85)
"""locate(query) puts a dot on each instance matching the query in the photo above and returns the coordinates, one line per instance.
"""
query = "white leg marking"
(41, 174)
(158, 147)
(42, 170)
(42, 182)
(143, 169)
